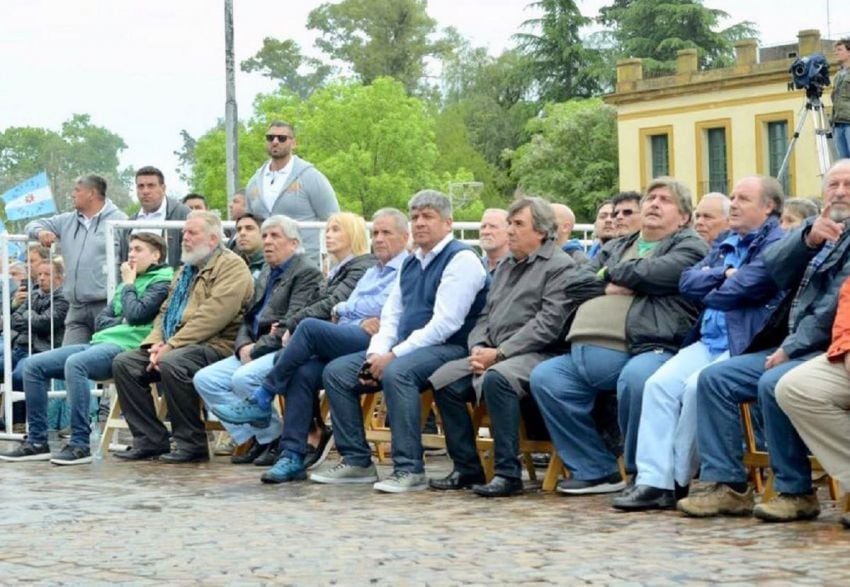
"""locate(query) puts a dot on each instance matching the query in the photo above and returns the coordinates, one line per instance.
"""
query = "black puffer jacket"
(38, 311)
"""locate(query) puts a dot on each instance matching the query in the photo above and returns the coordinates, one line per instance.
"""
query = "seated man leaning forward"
(739, 297)
(432, 306)
(287, 283)
(297, 370)
(813, 261)
(621, 337)
(195, 327)
(523, 323)
(120, 326)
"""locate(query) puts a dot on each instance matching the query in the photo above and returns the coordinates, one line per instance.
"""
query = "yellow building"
(710, 128)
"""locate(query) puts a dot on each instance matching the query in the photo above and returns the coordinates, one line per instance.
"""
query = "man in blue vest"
(431, 308)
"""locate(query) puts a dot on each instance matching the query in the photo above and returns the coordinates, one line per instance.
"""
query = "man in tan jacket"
(196, 327)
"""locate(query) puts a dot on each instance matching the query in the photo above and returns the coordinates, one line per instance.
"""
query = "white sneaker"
(345, 473)
(401, 482)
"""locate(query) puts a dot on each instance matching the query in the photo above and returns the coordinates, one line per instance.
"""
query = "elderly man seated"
(813, 261)
(287, 283)
(711, 217)
(523, 323)
(816, 398)
(195, 327)
(621, 337)
(297, 370)
(566, 221)
(432, 306)
(493, 237)
(739, 296)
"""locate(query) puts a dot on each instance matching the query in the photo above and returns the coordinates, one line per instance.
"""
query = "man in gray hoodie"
(288, 185)
(82, 240)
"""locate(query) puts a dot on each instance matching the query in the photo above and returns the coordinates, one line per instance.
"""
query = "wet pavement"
(151, 523)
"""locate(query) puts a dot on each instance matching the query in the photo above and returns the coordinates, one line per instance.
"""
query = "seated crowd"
(681, 315)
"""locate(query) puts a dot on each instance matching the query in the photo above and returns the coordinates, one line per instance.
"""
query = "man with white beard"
(196, 327)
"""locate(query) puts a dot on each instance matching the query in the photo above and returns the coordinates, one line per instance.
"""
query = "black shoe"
(499, 487)
(141, 454)
(540, 460)
(269, 456)
(456, 480)
(680, 491)
(316, 456)
(180, 456)
(249, 457)
(645, 497)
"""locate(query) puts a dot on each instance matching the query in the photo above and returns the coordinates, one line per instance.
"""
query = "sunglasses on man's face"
(625, 213)
(280, 138)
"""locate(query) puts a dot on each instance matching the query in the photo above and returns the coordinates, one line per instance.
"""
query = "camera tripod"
(823, 132)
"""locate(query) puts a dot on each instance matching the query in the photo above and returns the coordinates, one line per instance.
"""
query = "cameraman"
(841, 100)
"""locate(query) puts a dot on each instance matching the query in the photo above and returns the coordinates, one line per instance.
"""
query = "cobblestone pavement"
(146, 523)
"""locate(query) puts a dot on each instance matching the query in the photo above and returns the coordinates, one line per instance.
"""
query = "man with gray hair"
(287, 283)
(82, 240)
(195, 327)
(493, 236)
(620, 337)
(534, 291)
(711, 217)
(433, 304)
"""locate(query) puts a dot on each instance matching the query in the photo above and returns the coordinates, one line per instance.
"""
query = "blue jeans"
(565, 388)
(630, 386)
(720, 391)
(841, 137)
(297, 373)
(76, 364)
(227, 381)
(18, 354)
(666, 448)
(402, 382)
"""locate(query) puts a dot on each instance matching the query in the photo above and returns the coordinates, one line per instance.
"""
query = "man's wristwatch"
(500, 355)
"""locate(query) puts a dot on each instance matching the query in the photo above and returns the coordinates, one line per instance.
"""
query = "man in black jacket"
(156, 207)
(621, 336)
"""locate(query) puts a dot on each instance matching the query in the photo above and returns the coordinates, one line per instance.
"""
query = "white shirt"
(273, 182)
(462, 279)
(157, 215)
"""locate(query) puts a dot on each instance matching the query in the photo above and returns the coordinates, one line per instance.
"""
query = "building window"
(660, 155)
(718, 179)
(772, 132)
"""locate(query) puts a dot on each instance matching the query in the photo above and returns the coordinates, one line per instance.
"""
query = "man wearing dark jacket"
(739, 296)
(155, 207)
(286, 285)
(811, 261)
(621, 336)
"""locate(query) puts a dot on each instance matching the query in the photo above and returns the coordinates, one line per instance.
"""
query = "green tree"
(654, 30)
(563, 66)
(283, 61)
(379, 38)
(80, 147)
(572, 155)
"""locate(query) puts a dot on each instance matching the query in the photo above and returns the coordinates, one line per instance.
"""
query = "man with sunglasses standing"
(288, 185)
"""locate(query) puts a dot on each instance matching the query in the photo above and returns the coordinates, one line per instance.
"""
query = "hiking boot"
(244, 412)
(342, 472)
(72, 455)
(719, 499)
(26, 451)
(402, 482)
(788, 508)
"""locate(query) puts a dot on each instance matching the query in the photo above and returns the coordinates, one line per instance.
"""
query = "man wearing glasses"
(626, 213)
(288, 185)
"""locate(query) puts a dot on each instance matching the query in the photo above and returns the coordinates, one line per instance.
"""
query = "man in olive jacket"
(533, 293)
(195, 327)
(621, 337)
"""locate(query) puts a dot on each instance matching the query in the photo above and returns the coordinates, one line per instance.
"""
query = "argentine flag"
(30, 198)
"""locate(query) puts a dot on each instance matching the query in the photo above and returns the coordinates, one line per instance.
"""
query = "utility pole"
(230, 116)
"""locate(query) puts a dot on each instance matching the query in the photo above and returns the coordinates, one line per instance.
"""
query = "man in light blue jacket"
(82, 239)
(288, 185)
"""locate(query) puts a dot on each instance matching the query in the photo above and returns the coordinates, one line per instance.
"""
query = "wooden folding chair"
(374, 415)
(115, 422)
(758, 462)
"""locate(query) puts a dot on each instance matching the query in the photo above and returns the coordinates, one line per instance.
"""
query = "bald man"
(566, 221)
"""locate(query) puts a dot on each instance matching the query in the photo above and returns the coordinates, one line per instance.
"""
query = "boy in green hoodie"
(121, 326)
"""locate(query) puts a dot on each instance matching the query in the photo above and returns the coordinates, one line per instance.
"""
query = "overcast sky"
(146, 69)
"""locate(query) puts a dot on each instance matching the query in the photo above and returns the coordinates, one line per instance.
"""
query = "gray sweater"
(83, 249)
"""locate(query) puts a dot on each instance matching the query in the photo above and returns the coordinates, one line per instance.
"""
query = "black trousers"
(174, 382)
